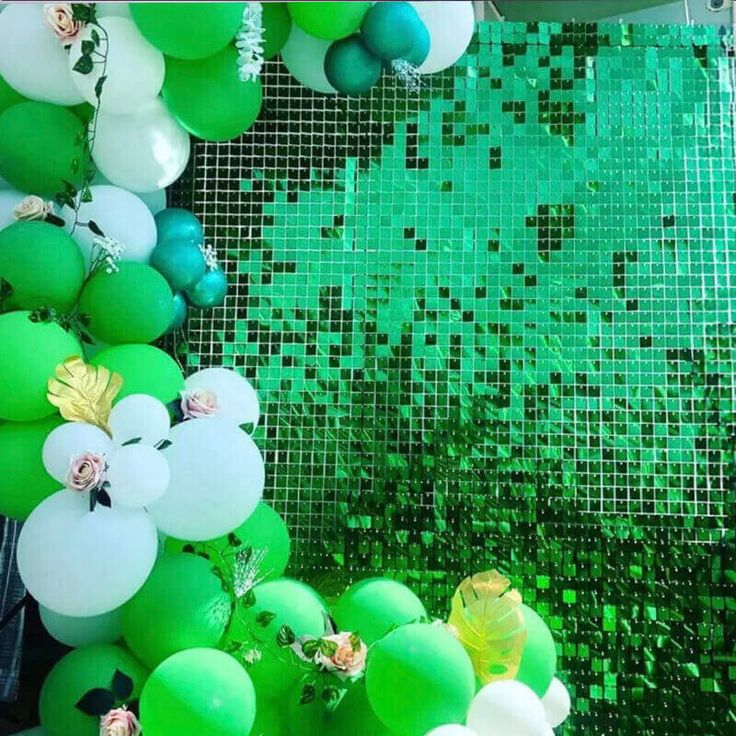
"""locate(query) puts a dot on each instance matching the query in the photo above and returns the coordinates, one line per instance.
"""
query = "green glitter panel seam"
(492, 325)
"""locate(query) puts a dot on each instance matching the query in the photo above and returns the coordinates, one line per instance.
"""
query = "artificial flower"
(32, 208)
(119, 722)
(86, 472)
(348, 659)
(198, 403)
(60, 18)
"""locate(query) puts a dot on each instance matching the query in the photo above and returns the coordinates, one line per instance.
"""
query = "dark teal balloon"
(391, 29)
(180, 262)
(209, 291)
(350, 67)
(175, 223)
(420, 49)
(180, 313)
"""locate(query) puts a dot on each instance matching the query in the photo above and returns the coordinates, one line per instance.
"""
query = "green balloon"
(41, 146)
(539, 658)
(375, 606)
(42, 264)
(145, 370)
(276, 28)
(328, 20)
(269, 718)
(182, 605)
(132, 304)
(208, 97)
(29, 354)
(292, 603)
(264, 531)
(24, 482)
(350, 67)
(8, 96)
(198, 692)
(419, 677)
(188, 30)
(78, 672)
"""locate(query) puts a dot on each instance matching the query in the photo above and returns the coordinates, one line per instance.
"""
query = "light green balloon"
(208, 97)
(29, 354)
(106, 628)
(329, 20)
(276, 28)
(132, 304)
(182, 605)
(41, 145)
(199, 692)
(8, 96)
(78, 672)
(375, 606)
(292, 603)
(419, 677)
(24, 482)
(43, 265)
(188, 30)
(264, 531)
(145, 370)
(539, 658)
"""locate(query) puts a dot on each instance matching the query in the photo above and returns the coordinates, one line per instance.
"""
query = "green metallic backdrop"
(494, 325)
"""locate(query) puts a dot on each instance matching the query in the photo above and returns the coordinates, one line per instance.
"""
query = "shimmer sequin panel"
(494, 325)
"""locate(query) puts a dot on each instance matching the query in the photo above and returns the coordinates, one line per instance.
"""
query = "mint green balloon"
(8, 96)
(188, 30)
(419, 677)
(145, 370)
(198, 692)
(276, 23)
(78, 672)
(292, 603)
(329, 20)
(24, 482)
(29, 354)
(133, 304)
(41, 145)
(43, 265)
(208, 97)
(539, 658)
(375, 606)
(182, 605)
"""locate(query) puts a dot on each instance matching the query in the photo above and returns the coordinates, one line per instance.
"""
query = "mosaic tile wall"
(495, 325)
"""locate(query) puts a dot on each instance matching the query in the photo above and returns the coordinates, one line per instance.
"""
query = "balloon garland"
(146, 540)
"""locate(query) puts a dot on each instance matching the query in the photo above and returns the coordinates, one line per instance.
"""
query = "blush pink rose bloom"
(198, 403)
(60, 19)
(33, 208)
(119, 722)
(346, 661)
(86, 471)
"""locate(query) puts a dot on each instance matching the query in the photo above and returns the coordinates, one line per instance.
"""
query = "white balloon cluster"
(510, 708)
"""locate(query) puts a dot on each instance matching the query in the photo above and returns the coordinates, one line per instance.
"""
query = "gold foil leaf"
(84, 393)
(487, 616)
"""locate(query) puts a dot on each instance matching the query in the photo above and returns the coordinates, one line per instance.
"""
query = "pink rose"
(86, 471)
(119, 722)
(198, 403)
(348, 660)
(32, 208)
(60, 19)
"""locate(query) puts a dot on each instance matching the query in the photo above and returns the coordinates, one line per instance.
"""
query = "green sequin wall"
(494, 325)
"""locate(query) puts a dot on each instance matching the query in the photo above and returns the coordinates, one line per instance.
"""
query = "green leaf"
(132, 441)
(286, 636)
(355, 642)
(99, 84)
(95, 36)
(86, 194)
(87, 47)
(122, 685)
(69, 188)
(164, 444)
(54, 220)
(83, 65)
(310, 648)
(248, 600)
(96, 702)
(248, 427)
(327, 647)
(264, 618)
(309, 693)
(82, 11)
(95, 228)
(6, 289)
(188, 548)
(234, 540)
(330, 694)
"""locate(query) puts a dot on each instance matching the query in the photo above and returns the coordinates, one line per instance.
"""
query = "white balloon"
(4, 185)
(451, 729)
(33, 59)
(155, 201)
(304, 57)
(507, 708)
(217, 478)
(38, 731)
(236, 398)
(82, 563)
(143, 151)
(138, 475)
(451, 26)
(139, 415)
(134, 72)
(120, 215)
(8, 201)
(120, 9)
(68, 440)
(80, 632)
(556, 703)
